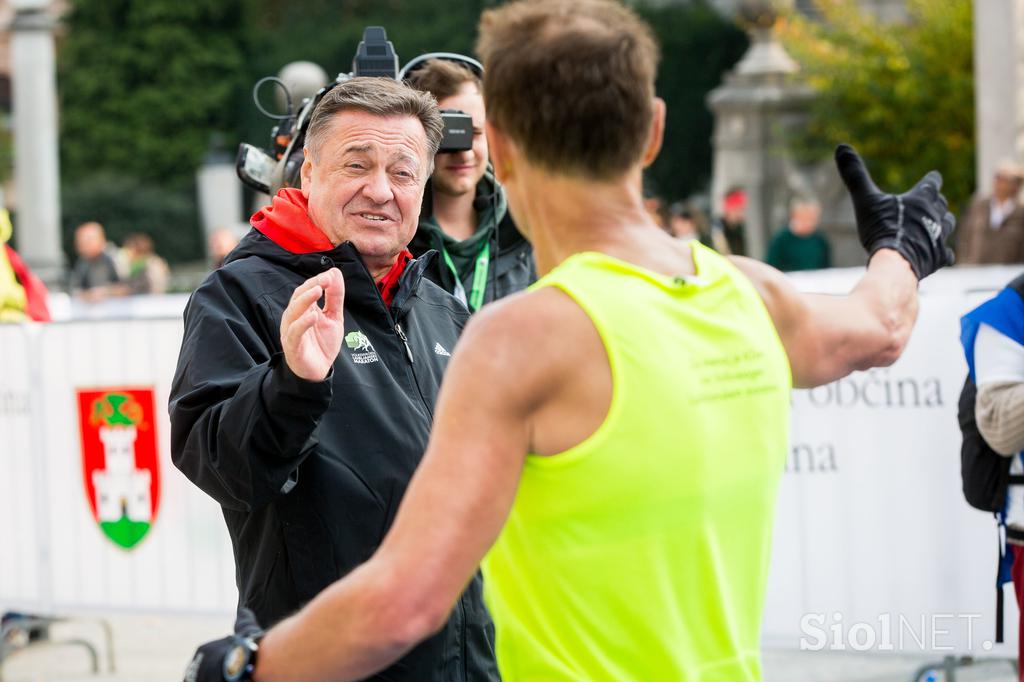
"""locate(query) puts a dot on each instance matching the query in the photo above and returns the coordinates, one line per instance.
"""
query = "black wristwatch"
(240, 660)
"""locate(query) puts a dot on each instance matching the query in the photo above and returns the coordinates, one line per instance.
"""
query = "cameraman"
(465, 213)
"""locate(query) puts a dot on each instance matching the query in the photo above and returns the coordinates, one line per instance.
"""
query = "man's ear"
(306, 172)
(501, 153)
(657, 132)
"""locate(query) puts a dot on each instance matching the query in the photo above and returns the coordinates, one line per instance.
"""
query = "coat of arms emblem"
(122, 475)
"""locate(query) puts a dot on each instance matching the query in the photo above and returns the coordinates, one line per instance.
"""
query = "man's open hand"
(915, 223)
(310, 336)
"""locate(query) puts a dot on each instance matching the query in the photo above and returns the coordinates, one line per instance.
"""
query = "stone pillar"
(36, 166)
(758, 103)
(998, 85)
(219, 195)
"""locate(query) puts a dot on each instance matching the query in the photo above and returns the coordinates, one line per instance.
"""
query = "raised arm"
(827, 337)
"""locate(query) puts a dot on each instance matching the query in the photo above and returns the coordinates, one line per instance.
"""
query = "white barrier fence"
(875, 548)
(54, 557)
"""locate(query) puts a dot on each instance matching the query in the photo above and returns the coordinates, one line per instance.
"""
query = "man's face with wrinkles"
(365, 183)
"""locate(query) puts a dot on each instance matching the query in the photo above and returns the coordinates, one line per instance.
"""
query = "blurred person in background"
(144, 272)
(94, 276)
(655, 208)
(219, 244)
(992, 230)
(682, 222)
(464, 215)
(728, 230)
(799, 245)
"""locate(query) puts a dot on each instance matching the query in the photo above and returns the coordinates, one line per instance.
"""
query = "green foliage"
(124, 204)
(698, 46)
(144, 84)
(903, 94)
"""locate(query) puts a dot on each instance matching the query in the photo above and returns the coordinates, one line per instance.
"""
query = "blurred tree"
(143, 85)
(903, 94)
(698, 46)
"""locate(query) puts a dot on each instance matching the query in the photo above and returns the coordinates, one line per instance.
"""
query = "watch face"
(235, 662)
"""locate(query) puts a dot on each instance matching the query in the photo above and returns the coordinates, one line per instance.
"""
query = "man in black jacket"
(308, 453)
(465, 213)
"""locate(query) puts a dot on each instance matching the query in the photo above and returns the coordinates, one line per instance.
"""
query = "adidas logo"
(439, 349)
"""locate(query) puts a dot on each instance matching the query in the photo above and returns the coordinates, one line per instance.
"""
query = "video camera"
(271, 170)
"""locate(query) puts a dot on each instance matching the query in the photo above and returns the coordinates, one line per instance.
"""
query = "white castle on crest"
(121, 489)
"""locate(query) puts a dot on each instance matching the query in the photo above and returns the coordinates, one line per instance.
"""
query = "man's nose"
(378, 187)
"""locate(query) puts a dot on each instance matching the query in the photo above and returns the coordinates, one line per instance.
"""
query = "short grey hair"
(381, 97)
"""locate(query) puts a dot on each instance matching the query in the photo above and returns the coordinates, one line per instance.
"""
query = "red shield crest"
(119, 460)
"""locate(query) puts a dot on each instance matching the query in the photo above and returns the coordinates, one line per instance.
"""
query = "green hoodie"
(463, 253)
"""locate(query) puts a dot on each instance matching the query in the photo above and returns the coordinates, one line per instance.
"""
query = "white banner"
(875, 547)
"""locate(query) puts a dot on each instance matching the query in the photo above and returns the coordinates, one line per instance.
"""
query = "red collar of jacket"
(286, 222)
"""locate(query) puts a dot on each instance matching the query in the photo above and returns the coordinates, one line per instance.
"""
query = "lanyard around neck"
(476, 293)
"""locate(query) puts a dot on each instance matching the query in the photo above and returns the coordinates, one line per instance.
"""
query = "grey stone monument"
(758, 104)
(36, 166)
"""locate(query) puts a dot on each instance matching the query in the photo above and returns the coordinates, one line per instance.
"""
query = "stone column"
(755, 107)
(36, 166)
(998, 85)
(219, 195)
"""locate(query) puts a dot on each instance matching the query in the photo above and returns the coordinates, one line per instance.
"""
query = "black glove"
(916, 223)
(207, 664)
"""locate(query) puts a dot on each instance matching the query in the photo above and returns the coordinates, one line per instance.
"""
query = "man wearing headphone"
(465, 215)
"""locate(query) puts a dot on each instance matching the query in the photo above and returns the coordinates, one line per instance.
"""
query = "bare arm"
(452, 513)
(827, 337)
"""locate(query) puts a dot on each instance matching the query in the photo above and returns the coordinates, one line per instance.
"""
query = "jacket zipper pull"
(405, 340)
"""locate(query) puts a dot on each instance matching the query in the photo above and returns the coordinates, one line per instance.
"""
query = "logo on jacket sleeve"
(362, 349)
(119, 457)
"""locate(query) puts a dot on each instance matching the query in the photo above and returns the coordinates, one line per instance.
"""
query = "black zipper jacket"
(310, 474)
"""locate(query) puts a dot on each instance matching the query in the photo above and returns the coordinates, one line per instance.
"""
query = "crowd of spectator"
(990, 229)
(103, 270)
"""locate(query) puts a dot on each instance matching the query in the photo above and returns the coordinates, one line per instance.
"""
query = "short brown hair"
(571, 82)
(443, 78)
(378, 96)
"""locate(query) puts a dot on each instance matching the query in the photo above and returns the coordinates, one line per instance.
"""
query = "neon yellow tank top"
(642, 553)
